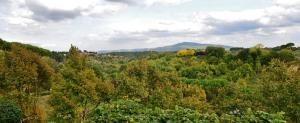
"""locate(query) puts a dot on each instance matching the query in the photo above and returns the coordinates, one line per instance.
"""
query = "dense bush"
(133, 112)
(9, 112)
(218, 52)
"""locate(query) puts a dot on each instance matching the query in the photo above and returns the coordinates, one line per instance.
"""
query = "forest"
(213, 85)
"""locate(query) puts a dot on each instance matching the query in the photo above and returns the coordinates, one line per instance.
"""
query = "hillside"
(175, 47)
(5, 45)
(221, 86)
(186, 45)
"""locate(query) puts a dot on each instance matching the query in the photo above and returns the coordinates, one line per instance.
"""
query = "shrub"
(9, 112)
(132, 112)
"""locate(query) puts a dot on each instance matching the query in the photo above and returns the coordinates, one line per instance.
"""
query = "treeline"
(250, 85)
(7, 46)
(58, 56)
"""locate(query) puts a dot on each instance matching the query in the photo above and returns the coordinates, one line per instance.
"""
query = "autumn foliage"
(242, 85)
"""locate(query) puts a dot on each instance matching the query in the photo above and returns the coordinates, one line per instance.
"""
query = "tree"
(259, 46)
(234, 49)
(26, 75)
(218, 52)
(201, 70)
(194, 97)
(2, 70)
(132, 83)
(188, 52)
(244, 54)
(236, 98)
(76, 93)
(213, 87)
(4, 45)
(288, 46)
(279, 86)
(286, 55)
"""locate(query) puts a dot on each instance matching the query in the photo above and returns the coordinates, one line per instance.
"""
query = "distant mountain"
(186, 45)
(175, 47)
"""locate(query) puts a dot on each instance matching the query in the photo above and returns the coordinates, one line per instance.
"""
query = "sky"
(126, 24)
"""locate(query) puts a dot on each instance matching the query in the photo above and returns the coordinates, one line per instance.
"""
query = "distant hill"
(175, 47)
(186, 45)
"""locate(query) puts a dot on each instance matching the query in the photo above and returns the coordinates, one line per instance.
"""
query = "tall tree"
(26, 75)
(218, 52)
(279, 86)
(75, 94)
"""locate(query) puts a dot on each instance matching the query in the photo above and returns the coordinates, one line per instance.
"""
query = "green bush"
(218, 52)
(9, 112)
(213, 83)
(132, 112)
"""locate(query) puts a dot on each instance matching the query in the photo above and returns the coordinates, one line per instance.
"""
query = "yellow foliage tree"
(26, 76)
(78, 89)
(187, 52)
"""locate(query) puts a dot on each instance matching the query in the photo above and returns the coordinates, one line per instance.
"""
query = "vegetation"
(132, 111)
(186, 52)
(216, 85)
(9, 112)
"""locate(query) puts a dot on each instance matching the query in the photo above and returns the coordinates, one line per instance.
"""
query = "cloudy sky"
(125, 24)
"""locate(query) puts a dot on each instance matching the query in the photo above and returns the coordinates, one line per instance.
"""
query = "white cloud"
(56, 10)
(286, 2)
(67, 5)
(150, 2)
(164, 2)
(138, 25)
(20, 21)
(275, 16)
(118, 24)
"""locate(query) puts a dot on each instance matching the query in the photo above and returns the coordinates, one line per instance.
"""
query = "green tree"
(218, 52)
(286, 55)
(279, 86)
(26, 75)
(132, 83)
(236, 98)
(75, 94)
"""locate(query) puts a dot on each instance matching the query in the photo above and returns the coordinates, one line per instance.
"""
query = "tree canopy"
(256, 84)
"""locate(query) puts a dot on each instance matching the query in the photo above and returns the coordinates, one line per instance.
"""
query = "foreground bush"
(9, 113)
(132, 111)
